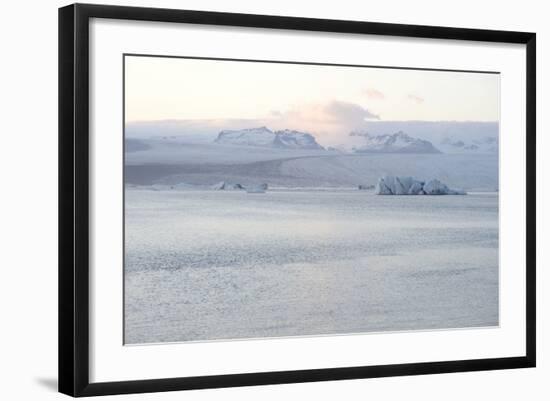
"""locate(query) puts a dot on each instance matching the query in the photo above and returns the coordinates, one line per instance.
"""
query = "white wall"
(28, 217)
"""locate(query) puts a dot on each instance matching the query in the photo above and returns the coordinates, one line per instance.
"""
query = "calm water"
(205, 265)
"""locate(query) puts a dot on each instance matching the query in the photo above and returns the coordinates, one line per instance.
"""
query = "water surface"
(210, 265)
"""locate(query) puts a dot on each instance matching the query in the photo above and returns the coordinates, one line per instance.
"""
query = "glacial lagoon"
(221, 265)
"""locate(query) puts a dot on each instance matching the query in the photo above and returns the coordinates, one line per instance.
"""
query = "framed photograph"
(251, 199)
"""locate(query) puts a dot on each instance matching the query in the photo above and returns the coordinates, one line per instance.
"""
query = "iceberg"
(225, 186)
(390, 185)
(435, 187)
(416, 188)
(362, 187)
(258, 189)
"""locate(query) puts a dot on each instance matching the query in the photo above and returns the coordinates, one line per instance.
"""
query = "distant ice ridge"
(390, 185)
(487, 144)
(264, 137)
(394, 143)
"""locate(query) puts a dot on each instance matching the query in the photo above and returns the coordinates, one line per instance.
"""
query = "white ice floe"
(391, 185)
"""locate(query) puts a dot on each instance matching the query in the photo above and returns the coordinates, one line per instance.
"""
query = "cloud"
(374, 94)
(334, 112)
(415, 98)
(327, 121)
(345, 111)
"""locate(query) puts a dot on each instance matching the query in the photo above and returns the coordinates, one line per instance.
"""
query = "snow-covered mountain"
(246, 137)
(487, 144)
(394, 143)
(295, 140)
(264, 137)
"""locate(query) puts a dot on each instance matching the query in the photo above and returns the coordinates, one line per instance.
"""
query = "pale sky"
(176, 88)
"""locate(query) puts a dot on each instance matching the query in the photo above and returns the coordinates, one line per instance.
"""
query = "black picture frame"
(74, 198)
